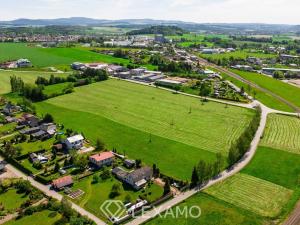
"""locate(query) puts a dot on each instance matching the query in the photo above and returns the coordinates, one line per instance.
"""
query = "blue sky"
(248, 11)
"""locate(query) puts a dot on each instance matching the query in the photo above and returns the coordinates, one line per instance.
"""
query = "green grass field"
(243, 54)
(55, 89)
(28, 77)
(38, 218)
(57, 57)
(286, 91)
(276, 166)
(263, 97)
(11, 200)
(213, 212)
(253, 194)
(149, 123)
(96, 194)
(282, 132)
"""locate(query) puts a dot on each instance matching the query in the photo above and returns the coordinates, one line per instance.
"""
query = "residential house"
(62, 182)
(74, 142)
(38, 158)
(21, 63)
(102, 159)
(129, 163)
(49, 128)
(136, 179)
(9, 109)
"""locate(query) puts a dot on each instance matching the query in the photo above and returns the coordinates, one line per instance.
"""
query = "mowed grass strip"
(213, 212)
(284, 90)
(263, 97)
(282, 132)
(173, 158)
(253, 194)
(276, 166)
(27, 77)
(211, 127)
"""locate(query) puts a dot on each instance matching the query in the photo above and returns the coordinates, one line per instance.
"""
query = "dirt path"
(294, 217)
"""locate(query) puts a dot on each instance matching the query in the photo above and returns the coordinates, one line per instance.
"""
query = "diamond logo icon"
(113, 209)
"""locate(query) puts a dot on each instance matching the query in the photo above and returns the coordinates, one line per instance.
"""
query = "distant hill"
(224, 28)
(165, 30)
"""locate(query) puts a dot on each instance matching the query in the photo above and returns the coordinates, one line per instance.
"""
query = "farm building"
(168, 83)
(102, 159)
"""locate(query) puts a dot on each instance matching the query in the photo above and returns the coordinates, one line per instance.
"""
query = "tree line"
(204, 171)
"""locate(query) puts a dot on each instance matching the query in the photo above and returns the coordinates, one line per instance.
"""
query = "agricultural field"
(284, 90)
(276, 166)
(28, 77)
(48, 218)
(241, 54)
(253, 194)
(149, 123)
(263, 97)
(282, 132)
(213, 212)
(60, 58)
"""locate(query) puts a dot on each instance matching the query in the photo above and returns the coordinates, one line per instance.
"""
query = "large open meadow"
(151, 124)
(55, 57)
(27, 77)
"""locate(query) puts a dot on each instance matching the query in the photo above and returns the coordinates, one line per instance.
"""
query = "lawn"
(28, 77)
(45, 217)
(58, 57)
(150, 124)
(284, 90)
(282, 132)
(7, 128)
(28, 147)
(11, 200)
(96, 194)
(213, 212)
(253, 194)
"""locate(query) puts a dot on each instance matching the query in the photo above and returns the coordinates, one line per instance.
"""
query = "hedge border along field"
(138, 120)
(253, 194)
(28, 77)
(282, 132)
(284, 90)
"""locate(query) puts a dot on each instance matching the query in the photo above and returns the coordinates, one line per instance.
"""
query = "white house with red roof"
(102, 159)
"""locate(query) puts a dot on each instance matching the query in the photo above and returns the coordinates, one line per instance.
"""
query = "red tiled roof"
(63, 181)
(102, 156)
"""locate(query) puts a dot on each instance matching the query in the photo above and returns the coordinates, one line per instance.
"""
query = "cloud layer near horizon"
(263, 11)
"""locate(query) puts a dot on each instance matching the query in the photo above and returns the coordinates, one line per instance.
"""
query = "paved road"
(224, 175)
(45, 189)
